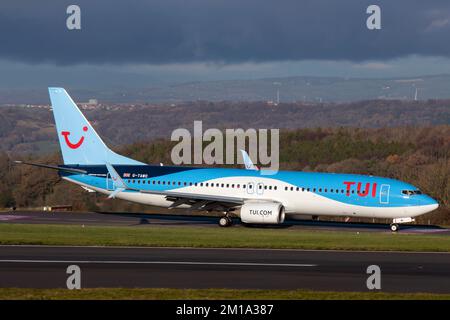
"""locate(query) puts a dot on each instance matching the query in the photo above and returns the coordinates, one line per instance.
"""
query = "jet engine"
(262, 213)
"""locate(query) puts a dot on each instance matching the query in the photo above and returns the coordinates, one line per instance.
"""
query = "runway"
(149, 220)
(45, 267)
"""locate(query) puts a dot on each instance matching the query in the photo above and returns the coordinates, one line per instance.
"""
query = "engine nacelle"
(262, 212)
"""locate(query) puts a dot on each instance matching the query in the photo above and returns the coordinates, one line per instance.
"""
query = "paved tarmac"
(148, 220)
(45, 267)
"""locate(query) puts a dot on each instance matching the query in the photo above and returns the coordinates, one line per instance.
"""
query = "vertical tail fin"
(79, 142)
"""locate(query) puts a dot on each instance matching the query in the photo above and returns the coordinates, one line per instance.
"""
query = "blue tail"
(79, 142)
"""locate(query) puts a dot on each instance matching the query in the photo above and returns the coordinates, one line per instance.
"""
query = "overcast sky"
(139, 43)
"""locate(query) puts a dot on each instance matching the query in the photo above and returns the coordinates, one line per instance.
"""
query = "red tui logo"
(360, 193)
(71, 145)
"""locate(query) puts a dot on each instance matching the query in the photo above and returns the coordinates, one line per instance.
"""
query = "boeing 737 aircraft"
(262, 199)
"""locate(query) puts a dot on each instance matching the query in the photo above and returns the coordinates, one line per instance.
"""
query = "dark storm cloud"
(220, 31)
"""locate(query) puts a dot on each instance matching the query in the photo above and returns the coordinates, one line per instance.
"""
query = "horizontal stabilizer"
(70, 170)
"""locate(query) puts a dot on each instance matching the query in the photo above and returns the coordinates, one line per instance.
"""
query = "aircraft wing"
(196, 201)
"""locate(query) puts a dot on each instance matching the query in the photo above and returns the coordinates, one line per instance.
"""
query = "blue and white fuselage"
(305, 193)
(259, 198)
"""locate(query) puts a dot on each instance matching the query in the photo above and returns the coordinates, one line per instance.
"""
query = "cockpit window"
(411, 192)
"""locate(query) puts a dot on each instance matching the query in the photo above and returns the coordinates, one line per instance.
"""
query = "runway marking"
(249, 264)
(11, 217)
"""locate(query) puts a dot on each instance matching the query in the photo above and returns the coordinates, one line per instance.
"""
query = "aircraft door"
(250, 188)
(384, 193)
(260, 188)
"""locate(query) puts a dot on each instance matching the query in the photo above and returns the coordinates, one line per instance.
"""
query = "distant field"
(218, 238)
(195, 294)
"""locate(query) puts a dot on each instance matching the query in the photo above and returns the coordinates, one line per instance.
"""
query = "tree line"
(418, 155)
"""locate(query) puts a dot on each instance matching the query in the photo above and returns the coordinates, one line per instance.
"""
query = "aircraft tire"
(224, 222)
(394, 227)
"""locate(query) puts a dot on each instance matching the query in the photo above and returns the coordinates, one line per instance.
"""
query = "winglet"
(118, 181)
(115, 193)
(247, 161)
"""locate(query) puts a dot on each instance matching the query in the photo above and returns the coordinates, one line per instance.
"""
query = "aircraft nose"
(431, 202)
(435, 205)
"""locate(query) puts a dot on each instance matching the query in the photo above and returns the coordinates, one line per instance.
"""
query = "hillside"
(31, 129)
(292, 89)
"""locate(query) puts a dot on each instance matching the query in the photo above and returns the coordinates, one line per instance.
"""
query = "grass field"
(196, 294)
(218, 238)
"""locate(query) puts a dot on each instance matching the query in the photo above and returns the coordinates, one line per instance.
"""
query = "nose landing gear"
(395, 223)
(394, 227)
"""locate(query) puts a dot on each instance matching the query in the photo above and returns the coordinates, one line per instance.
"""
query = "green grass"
(195, 294)
(237, 237)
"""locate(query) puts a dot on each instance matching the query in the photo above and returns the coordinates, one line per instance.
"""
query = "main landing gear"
(225, 221)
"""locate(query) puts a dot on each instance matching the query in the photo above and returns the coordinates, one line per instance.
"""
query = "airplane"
(247, 193)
